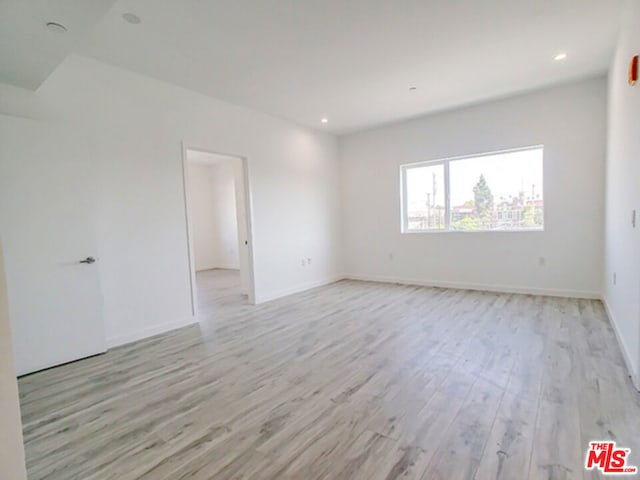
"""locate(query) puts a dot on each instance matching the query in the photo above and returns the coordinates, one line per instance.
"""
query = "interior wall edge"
(12, 455)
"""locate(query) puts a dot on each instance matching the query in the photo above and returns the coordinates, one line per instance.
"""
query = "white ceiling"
(29, 52)
(354, 60)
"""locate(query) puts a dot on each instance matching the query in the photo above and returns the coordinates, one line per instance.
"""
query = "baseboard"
(477, 286)
(149, 332)
(297, 289)
(635, 376)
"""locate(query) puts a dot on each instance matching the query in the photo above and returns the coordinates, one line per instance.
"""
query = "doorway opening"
(219, 230)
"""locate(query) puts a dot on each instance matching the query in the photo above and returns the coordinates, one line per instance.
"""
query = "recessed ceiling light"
(324, 120)
(56, 27)
(131, 18)
(560, 56)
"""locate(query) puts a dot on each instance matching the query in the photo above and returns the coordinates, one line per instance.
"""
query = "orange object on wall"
(633, 71)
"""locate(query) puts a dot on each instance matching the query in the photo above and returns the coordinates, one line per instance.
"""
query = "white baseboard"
(297, 289)
(477, 286)
(635, 376)
(149, 332)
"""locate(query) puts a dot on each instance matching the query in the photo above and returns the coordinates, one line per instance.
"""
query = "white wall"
(622, 244)
(135, 126)
(212, 208)
(569, 120)
(202, 216)
(226, 223)
(11, 448)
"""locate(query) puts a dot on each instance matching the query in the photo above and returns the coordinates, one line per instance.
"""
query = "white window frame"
(404, 218)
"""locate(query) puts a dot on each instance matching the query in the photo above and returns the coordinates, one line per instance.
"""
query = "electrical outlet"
(308, 261)
(303, 263)
(542, 261)
(391, 257)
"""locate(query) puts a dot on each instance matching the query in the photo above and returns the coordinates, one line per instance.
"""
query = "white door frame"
(249, 217)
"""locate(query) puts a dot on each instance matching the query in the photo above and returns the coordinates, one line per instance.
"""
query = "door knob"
(88, 260)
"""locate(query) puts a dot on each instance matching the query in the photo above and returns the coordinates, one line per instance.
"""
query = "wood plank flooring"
(354, 380)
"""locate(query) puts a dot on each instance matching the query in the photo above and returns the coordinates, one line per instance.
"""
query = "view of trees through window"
(501, 191)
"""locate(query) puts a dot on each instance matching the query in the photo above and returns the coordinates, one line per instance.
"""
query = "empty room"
(298, 240)
(217, 228)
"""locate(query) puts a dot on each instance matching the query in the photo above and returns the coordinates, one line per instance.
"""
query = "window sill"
(532, 230)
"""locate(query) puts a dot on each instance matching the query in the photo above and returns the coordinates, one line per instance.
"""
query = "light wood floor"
(350, 381)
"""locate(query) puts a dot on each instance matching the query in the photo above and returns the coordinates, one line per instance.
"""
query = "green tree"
(467, 223)
(528, 216)
(483, 198)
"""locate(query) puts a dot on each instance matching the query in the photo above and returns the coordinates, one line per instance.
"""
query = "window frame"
(404, 217)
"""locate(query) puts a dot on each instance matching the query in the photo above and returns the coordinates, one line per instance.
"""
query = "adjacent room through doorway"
(218, 230)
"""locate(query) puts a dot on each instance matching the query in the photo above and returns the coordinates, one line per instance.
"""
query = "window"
(487, 192)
